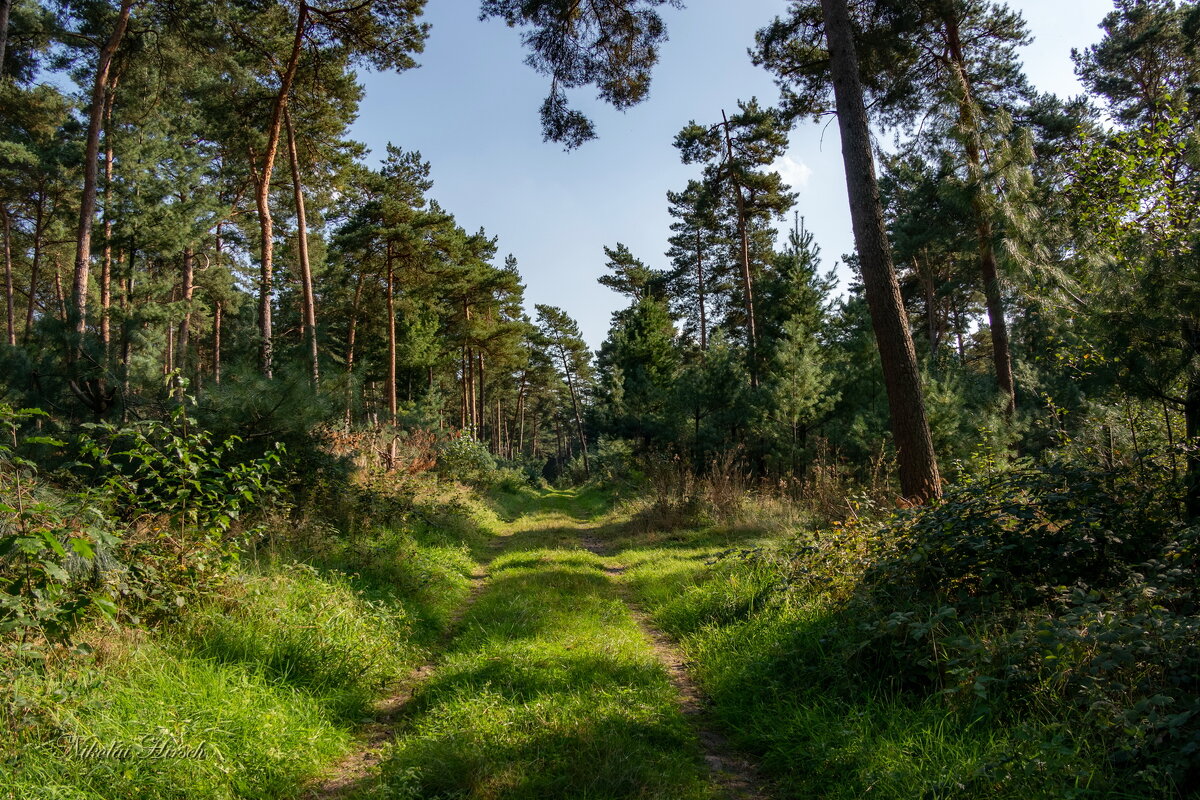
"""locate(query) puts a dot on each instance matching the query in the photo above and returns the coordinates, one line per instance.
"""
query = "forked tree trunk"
(919, 476)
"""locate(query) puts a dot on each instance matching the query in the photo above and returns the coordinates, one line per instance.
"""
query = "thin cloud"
(794, 173)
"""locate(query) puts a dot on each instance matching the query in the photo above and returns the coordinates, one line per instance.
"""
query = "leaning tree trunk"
(262, 199)
(985, 234)
(306, 280)
(91, 155)
(919, 478)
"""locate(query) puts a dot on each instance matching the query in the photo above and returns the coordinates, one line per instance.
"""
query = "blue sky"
(471, 109)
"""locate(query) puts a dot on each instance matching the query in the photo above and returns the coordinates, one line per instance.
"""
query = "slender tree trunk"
(262, 197)
(91, 155)
(521, 413)
(985, 234)
(391, 387)
(8, 274)
(106, 264)
(480, 404)
(700, 291)
(747, 275)
(587, 468)
(391, 313)
(919, 476)
(59, 294)
(5, 5)
(216, 343)
(306, 280)
(187, 291)
(471, 408)
(35, 267)
(462, 365)
(350, 336)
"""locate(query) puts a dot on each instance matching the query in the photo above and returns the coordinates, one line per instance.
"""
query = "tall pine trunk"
(985, 234)
(587, 468)
(91, 155)
(919, 478)
(106, 264)
(262, 199)
(8, 279)
(35, 266)
(306, 280)
(187, 290)
(747, 275)
(700, 292)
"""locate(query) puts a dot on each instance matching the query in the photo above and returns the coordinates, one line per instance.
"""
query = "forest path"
(555, 685)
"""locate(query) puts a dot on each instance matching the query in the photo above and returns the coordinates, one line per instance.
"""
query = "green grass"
(768, 657)
(272, 676)
(551, 690)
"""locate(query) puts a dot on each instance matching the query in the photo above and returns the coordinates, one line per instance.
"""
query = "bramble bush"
(1060, 586)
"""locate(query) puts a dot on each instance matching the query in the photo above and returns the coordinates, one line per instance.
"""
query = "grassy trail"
(554, 686)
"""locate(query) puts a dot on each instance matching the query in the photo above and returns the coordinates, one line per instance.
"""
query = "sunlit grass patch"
(550, 691)
(229, 733)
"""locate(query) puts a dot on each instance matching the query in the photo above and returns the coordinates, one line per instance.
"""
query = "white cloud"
(795, 173)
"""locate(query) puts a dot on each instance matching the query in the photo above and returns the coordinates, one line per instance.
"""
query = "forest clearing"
(311, 488)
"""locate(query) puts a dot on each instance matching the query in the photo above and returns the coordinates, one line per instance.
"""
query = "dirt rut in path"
(375, 736)
(735, 776)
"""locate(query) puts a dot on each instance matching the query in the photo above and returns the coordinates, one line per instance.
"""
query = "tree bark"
(187, 291)
(985, 233)
(8, 276)
(919, 478)
(587, 469)
(216, 344)
(306, 280)
(700, 291)
(350, 336)
(391, 312)
(106, 264)
(5, 6)
(262, 198)
(35, 266)
(87, 205)
(747, 276)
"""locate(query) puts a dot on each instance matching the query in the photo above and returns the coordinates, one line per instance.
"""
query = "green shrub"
(467, 460)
